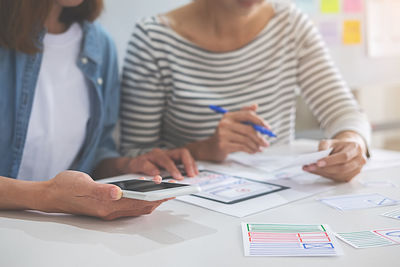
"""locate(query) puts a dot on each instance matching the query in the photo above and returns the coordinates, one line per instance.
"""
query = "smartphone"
(150, 191)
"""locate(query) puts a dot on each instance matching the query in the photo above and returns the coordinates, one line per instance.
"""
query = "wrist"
(200, 149)
(111, 167)
(34, 196)
(353, 137)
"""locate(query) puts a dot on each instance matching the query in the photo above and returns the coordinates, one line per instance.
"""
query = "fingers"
(157, 179)
(106, 192)
(149, 168)
(162, 159)
(247, 116)
(249, 132)
(182, 155)
(131, 208)
(344, 154)
(325, 145)
(252, 107)
(189, 163)
(346, 162)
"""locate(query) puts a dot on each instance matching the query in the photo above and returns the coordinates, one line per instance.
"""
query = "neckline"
(71, 35)
(192, 44)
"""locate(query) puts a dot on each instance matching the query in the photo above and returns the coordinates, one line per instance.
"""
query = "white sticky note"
(352, 202)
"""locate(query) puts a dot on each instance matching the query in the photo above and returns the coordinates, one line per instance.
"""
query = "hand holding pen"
(237, 131)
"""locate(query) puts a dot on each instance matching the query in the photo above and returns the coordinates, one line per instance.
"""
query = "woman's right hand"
(231, 136)
(76, 193)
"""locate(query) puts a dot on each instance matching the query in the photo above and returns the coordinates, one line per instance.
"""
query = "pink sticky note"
(353, 6)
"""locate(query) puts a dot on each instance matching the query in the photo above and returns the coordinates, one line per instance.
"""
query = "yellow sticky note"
(330, 6)
(351, 32)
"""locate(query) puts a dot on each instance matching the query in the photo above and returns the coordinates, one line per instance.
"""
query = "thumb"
(325, 144)
(107, 192)
(253, 107)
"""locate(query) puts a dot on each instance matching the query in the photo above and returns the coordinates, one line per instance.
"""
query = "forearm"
(21, 195)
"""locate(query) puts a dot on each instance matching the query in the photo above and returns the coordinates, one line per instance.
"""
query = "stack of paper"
(261, 239)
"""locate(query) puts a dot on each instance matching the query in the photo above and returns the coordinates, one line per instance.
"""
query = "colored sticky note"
(330, 32)
(352, 6)
(351, 32)
(330, 6)
(307, 6)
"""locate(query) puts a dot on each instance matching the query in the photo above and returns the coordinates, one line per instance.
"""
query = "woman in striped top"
(234, 53)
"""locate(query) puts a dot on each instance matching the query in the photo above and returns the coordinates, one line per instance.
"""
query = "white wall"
(120, 16)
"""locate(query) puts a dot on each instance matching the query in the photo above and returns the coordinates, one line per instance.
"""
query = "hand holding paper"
(345, 161)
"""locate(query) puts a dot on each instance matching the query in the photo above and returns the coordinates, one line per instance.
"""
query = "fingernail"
(321, 163)
(312, 168)
(115, 193)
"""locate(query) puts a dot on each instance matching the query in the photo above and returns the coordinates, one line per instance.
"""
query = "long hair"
(21, 21)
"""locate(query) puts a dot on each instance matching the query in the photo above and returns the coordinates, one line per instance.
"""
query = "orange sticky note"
(330, 6)
(351, 32)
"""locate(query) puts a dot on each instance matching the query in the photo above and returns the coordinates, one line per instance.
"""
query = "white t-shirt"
(61, 109)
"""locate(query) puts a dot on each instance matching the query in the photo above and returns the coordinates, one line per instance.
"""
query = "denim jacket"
(18, 77)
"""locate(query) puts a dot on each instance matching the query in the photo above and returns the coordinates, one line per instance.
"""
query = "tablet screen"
(145, 186)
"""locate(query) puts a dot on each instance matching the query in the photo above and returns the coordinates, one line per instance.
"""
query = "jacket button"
(100, 81)
(84, 60)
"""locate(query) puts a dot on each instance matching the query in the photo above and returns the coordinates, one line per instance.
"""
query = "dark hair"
(22, 20)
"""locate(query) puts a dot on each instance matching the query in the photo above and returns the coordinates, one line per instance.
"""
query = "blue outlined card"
(288, 240)
(364, 201)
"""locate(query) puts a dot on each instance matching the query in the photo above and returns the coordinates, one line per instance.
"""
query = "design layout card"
(260, 239)
(395, 214)
(371, 239)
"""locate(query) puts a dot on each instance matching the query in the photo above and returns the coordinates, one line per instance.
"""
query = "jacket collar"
(90, 46)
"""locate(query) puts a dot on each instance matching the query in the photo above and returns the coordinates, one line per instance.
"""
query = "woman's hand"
(76, 193)
(150, 164)
(346, 160)
(231, 136)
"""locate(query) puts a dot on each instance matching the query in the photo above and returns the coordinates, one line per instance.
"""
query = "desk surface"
(179, 234)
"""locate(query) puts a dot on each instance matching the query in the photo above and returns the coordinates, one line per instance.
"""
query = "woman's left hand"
(346, 160)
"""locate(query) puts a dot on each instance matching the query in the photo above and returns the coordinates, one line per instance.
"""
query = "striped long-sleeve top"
(169, 82)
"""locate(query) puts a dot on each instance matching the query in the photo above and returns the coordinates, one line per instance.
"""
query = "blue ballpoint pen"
(256, 127)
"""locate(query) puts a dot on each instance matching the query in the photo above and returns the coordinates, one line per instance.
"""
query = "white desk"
(179, 234)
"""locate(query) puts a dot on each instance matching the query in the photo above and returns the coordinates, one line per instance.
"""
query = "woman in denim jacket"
(59, 103)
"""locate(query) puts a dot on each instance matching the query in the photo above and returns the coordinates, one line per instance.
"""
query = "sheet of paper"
(352, 32)
(352, 6)
(271, 163)
(285, 240)
(352, 202)
(330, 6)
(330, 32)
(365, 239)
(395, 214)
(307, 6)
(382, 36)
